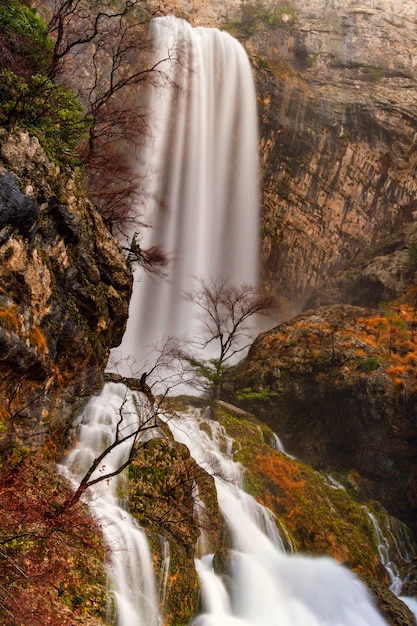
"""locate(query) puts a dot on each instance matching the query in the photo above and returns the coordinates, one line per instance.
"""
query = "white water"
(130, 570)
(268, 587)
(389, 548)
(200, 179)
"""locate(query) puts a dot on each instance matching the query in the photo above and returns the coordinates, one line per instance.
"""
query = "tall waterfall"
(199, 171)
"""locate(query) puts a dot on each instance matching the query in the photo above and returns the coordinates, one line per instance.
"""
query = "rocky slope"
(338, 384)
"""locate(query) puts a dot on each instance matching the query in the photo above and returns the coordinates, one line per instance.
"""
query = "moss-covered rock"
(340, 386)
(313, 513)
(173, 498)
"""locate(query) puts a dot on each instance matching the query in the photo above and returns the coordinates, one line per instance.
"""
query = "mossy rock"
(318, 518)
(162, 483)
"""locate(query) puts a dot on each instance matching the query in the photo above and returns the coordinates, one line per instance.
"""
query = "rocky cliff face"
(64, 294)
(338, 122)
(64, 291)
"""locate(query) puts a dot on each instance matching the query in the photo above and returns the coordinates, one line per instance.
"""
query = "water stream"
(131, 578)
(269, 587)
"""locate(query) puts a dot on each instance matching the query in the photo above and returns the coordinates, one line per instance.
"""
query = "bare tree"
(101, 50)
(225, 314)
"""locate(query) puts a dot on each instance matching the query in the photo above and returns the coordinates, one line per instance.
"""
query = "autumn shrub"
(51, 567)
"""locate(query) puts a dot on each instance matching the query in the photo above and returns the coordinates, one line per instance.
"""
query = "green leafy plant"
(29, 99)
(249, 394)
(370, 364)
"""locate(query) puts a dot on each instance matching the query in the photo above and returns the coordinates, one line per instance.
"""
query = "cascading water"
(199, 169)
(131, 578)
(394, 544)
(269, 587)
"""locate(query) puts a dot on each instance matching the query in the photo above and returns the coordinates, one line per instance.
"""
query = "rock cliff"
(337, 85)
(64, 294)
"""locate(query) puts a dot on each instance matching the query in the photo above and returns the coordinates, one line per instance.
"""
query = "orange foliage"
(9, 318)
(38, 340)
(284, 479)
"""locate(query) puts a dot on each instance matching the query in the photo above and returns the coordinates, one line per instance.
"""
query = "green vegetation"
(412, 255)
(263, 13)
(249, 394)
(371, 73)
(29, 98)
(318, 518)
(370, 364)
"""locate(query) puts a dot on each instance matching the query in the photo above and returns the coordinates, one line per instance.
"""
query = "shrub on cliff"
(28, 97)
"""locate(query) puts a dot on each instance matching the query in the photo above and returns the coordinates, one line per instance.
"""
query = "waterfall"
(269, 587)
(199, 171)
(131, 577)
(394, 543)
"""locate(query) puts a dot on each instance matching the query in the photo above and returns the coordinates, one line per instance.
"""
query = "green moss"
(369, 365)
(161, 482)
(255, 14)
(371, 73)
(249, 394)
(317, 518)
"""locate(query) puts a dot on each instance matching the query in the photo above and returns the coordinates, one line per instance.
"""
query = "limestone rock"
(65, 288)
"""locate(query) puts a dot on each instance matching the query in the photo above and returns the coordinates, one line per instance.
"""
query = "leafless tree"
(101, 50)
(225, 314)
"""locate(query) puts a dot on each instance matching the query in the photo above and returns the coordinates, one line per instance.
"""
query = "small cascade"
(199, 172)
(268, 586)
(164, 574)
(393, 544)
(131, 577)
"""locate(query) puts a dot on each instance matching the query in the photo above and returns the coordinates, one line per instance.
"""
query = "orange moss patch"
(38, 341)
(286, 480)
(10, 319)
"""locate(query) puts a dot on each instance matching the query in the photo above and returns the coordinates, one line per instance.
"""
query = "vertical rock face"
(337, 85)
(64, 291)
